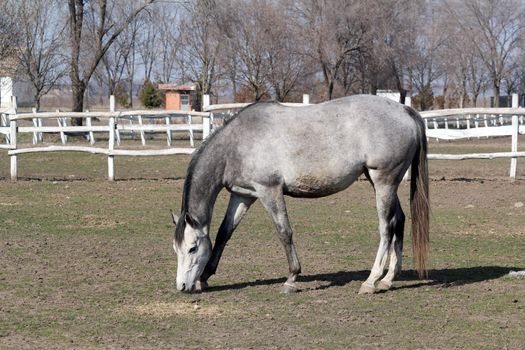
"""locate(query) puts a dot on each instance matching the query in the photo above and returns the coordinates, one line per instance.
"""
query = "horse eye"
(192, 250)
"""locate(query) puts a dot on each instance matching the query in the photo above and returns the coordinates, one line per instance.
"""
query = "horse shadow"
(443, 278)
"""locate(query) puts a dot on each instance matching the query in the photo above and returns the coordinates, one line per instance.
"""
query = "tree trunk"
(400, 86)
(37, 102)
(130, 92)
(373, 88)
(330, 86)
(131, 76)
(402, 96)
(78, 91)
(495, 88)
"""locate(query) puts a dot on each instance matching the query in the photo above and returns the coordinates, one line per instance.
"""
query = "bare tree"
(118, 64)
(395, 33)
(468, 72)
(147, 42)
(9, 28)
(169, 43)
(113, 63)
(287, 62)
(131, 61)
(201, 44)
(249, 42)
(39, 53)
(335, 31)
(97, 19)
(426, 68)
(495, 28)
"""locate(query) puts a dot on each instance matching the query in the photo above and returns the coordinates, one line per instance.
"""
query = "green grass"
(89, 264)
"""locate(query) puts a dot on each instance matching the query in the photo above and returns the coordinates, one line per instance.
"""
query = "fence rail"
(448, 124)
(453, 124)
(112, 123)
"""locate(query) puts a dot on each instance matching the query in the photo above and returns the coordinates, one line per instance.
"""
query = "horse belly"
(319, 185)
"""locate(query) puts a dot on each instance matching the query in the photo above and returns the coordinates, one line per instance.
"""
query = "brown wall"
(172, 100)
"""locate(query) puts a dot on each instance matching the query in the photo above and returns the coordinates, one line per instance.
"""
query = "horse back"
(321, 149)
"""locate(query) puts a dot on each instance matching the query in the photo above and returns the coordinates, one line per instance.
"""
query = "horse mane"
(198, 152)
(179, 230)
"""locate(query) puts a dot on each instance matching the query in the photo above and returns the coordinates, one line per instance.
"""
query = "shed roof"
(175, 87)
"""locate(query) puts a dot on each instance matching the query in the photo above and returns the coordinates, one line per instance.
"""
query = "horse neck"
(206, 181)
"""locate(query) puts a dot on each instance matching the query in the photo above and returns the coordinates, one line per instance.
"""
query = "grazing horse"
(269, 150)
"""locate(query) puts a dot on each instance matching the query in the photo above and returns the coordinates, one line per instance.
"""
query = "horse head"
(192, 246)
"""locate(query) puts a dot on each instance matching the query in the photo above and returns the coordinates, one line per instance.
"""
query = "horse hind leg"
(396, 251)
(273, 202)
(387, 204)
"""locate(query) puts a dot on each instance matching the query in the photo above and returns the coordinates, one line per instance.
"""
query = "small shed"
(13, 83)
(179, 97)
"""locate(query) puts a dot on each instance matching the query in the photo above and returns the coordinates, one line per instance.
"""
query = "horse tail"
(419, 199)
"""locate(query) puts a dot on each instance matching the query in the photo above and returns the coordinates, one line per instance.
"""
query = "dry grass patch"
(167, 310)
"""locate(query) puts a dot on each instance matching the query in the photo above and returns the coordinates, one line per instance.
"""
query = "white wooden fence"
(111, 123)
(454, 124)
(447, 124)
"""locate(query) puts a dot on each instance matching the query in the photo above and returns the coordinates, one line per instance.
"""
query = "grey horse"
(269, 150)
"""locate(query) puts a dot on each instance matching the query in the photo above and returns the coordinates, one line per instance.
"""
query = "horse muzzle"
(183, 287)
(197, 287)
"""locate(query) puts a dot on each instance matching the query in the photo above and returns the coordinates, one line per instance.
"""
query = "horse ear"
(174, 217)
(191, 221)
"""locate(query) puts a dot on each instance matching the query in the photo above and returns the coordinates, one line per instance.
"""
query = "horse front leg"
(237, 207)
(273, 202)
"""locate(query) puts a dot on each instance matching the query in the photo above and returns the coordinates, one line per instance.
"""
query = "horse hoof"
(366, 289)
(289, 289)
(383, 286)
(200, 286)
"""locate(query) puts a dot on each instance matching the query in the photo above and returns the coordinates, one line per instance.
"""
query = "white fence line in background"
(116, 123)
(448, 124)
(454, 124)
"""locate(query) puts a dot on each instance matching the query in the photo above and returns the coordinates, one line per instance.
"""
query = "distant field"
(88, 264)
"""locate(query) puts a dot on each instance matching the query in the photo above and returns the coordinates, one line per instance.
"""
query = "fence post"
(112, 103)
(12, 137)
(35, 124)
(168, 131)
(91, 134)
(142, 133)
(61, 121)
(514, 148)
(205, 128)
(112, 109)
(515, 133)
(111, 147)
(12, 134)
(190, 122)
(306, 99)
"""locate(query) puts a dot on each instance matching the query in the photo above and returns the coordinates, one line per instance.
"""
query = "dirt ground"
(88, 264)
